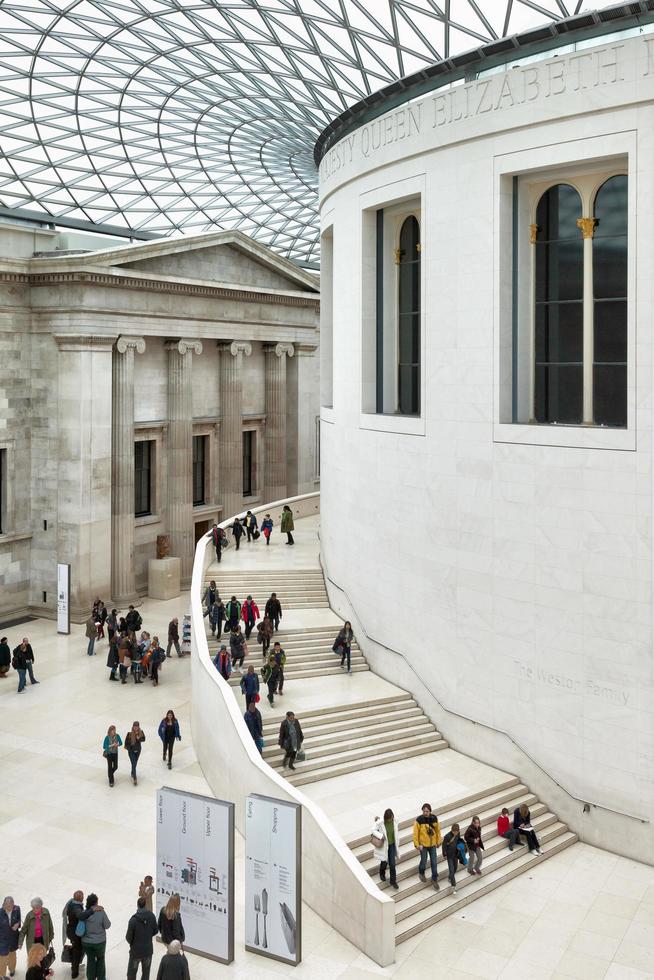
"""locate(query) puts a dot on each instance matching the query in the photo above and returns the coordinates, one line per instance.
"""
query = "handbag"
(461, 853)
(80, 929)
(376, 841)
(49, 958)
(67, 954)
(255, 535)
(105, 754)
(301, 755)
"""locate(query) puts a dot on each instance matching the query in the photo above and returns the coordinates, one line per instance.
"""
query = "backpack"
(266, 671)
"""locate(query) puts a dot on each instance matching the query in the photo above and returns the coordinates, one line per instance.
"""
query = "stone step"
(383, 723)
(359, 739)
(297, 673)
(291, 644)
(445, 903)
(297, 659)
(390, 703)
(301, 778)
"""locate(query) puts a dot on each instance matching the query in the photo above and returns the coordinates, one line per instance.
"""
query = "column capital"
(77, 341)
(279, 349)
(125, 343)
(587, 226)
(184, 346)
(235, 347)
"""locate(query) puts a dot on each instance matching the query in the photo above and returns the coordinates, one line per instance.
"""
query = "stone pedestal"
(275, 437)
(123, 587)
(231, 440)
(164, 576)
(180, 452)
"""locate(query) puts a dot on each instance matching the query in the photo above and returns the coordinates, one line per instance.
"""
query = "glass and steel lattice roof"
(168, 116)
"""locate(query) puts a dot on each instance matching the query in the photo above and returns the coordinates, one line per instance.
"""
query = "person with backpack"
(270, 675)
(232, 613)
(237, 647)
(237, 532)
(250, 685)
(209, 597)
(133, 620)
(223, 662)
(217, 536)
(141, 930)
(385, 837)
(278, 659)
(251, 525)
(288, 525)
(454, 850)
(264, 635)
(290, 739)
(267, 527)
(216, 617)
(426, 839)
(94, 940)
(475, 846)
(273, 610)
(249, 615)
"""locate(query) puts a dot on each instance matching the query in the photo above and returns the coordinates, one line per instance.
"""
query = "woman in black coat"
(5, 657)
(170, 921)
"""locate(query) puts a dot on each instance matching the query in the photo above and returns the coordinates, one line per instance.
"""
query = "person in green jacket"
(37, 926)
(287, 524)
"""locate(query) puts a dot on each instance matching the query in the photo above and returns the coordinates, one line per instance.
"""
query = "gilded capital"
(587, 226)
(235, 347)
(125, 343)
(185, 346)
(533, 233)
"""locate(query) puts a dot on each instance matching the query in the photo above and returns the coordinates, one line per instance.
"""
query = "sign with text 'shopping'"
(195, 859)
(273, 878)
(63, 598)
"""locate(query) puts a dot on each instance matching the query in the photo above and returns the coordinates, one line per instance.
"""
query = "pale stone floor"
(585, 913)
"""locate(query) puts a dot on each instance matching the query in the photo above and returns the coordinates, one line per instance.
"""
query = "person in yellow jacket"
(427, 839)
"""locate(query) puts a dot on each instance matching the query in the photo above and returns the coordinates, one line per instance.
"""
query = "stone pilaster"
(84, 466)
(123, 589)
(231, 442)
(302, 376)
(275, 437)
(180, 452)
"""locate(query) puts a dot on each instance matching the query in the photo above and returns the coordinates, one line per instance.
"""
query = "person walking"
(173, 637)
(522, 822)
(157, 657)
(5, 657)
(24, 654)
(91, 634)
(168, 733)
(278, 659)
(288, 525)
(505, 830)
(385, 836)
(170, 922)
(265, 631)
(290, 739)
(237, 532)
(267, 528)
(273, 610)
(70, 918)
(94, 940)
(216, 535)
(343, 644)
(223, 662)
(254, 722)
(232, 613)
(112, 742)
(173, 966)
(249, 615)
(238, 647)
(251, 525)
(10, 923)
(426, 839)
(133, 741)
(453, 846)
(209, 597)
(216, 617)
(141, 929)
(270, 675)
(37, 926)
(475, 846)
(250, 686)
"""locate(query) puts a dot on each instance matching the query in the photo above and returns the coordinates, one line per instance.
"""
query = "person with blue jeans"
(132, 743)
(427, 839)
(254, 721)
(23, 659)
(91, 635)
(387, 831)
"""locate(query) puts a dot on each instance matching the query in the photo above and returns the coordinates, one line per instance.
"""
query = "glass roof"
(184, 116)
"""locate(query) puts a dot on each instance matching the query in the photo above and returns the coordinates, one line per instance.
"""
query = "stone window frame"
(209, 427)
(155, 432)
(542, 167)
(256, 424)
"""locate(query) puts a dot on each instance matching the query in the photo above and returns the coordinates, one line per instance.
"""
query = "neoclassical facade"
(147, 389)
(491, 415)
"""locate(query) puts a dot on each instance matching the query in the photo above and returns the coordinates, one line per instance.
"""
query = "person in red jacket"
(249, 615)
(504, 829)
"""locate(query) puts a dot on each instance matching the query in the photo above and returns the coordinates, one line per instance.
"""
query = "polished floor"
(583, 914)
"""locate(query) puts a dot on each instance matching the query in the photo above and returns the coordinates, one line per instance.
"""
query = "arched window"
(408, 385)
(559, 308)
(610, 303)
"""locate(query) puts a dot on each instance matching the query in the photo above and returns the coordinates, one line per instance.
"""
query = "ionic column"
(587, 226)
(123, 588)
(180, 452)
(275, 437)
(231, 442)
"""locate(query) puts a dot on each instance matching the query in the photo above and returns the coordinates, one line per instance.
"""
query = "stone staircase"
(417, 905)
(349, 738)
(361, 735)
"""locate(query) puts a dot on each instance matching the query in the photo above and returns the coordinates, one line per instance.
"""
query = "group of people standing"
(457, 849)
(249, 526)
(142, 655)
(168, 732)
(22, 660)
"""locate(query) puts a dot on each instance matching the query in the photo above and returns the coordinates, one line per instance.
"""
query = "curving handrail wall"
(334, 883)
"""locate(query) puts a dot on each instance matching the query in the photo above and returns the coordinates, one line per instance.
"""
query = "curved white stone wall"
(333, 881)
(511, 564)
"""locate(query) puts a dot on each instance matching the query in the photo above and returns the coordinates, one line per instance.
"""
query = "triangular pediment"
(221, 257)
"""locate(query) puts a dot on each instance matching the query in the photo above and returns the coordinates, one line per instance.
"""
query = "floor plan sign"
(195, 859)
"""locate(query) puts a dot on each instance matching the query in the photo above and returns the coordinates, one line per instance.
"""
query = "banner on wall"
(63, 598)
(273, 878)
(195, 859)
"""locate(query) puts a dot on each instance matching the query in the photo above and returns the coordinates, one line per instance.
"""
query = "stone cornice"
(141, 283)
(76, 342)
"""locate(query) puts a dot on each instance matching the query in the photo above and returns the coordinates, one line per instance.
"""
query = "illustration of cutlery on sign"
(257, 909)
(264, 909)
(288, 927)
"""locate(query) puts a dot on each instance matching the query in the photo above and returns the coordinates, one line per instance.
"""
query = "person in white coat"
(385, 839)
